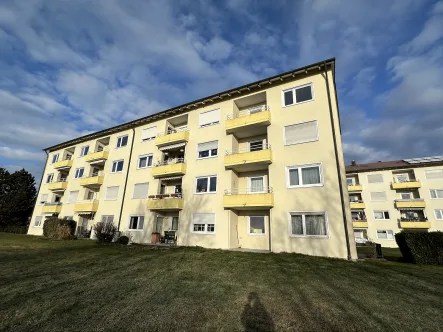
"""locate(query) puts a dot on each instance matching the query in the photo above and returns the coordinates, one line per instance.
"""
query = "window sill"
(143, 167)
(302, 102)
(212, 192)
(314, 140)
(135, 230)
(148, 139)
(117, 172)
(207, 157)
(209, 125)
(115, 199)
(203, 233)
(309, 236)
(255, 234)
(308, 186)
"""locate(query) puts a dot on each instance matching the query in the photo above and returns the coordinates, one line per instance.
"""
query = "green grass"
(83, 286)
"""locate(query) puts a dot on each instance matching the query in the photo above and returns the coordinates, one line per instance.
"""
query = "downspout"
(340, 185)
(40, 186)
(126, 180)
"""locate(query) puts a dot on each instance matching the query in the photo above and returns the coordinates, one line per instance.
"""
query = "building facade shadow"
(255, 317)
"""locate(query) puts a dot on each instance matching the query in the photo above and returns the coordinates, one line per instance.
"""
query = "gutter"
(340, 184)
(126, 180)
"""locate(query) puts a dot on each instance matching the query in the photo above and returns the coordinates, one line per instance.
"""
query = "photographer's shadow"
(255, 317)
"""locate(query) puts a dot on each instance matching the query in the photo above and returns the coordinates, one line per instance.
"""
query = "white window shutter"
(203, 218)
(209, 117)
(73, 195)
(44, 198)
(300, 133)
(207, 146)
(111, 193)
(434, 174)
(148, 133)
(375, 178)
(140, 190)
(378, 196)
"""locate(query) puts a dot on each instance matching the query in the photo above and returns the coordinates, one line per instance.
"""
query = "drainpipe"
(40, 186)
(340, 185)
(126, 180)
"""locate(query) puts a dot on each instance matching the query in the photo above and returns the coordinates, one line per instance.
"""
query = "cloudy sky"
(72, 67)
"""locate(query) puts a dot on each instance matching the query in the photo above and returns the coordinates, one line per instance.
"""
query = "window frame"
(117, 161)
(44, 201)
(299, 167)
(133, 190)
(441, 213)
(248, 227)
(120, 139)
(82, 150)
(250, 184)
(382, 178)
(385, 230)
(294, 97)
(106, 193)
(382, 211)
(78, 169)
(138, 221)
(430, 195)
(56, 156)
(49, 175)
(352, 181)
(379, 200)
(40, 225)
(304, 213)
(299, 123)
(205, 232)
(210, 151)
(147, 158)
(208, 186)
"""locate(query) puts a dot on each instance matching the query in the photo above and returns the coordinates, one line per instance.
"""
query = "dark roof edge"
(136, 122)
(386, 168)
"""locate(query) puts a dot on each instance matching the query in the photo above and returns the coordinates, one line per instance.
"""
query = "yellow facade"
(248, 221)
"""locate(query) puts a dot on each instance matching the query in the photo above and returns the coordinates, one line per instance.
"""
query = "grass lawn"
(83, 286)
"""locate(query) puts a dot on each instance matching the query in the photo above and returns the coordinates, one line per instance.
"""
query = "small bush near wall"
(59, 229)
(421, 247)
(14, 229)
(104, 231)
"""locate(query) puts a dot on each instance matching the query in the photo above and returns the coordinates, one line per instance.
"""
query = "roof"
(395, 164)
(228, 94)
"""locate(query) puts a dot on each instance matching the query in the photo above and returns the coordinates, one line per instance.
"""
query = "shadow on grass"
(255, 317)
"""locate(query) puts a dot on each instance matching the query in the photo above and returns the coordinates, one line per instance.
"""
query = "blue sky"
(72, 67)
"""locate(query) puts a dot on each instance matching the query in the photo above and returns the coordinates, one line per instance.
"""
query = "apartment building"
(255, 167)
(390, 196)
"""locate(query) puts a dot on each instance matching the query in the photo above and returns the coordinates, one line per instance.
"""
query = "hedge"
(60, 229)
(14, 229)
(421, 247)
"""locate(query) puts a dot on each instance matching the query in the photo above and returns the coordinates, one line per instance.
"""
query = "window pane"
(203, 154)
(439, 193)
(289, 98)
(124, 140)
(310, 175)
(142, 162)
(214, 152)
(133, 223)
(257, 185)
(382, 235)
(213, 184)
(433, 194)
(257, 225)
(202, 185)
(293, 177)
(439, 214)
(149, 160)
(297, 224)
(303, 94)
(199, 227)
(386, 214)
(315, 224)
(378, 215)
(119, 166)
(211, 228)
(349, 181)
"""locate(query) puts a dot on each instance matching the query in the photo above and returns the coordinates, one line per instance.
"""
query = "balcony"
(97, 158)
(411, 184)
(244, 199)
(96, 180)
(166, 202)
(87, 206)
(249, 122)
(414, 224)
(360, 223)
(59, 185)
(355, 187)
(172, 137)
(410, 203)
(246, 160)
(357, 204)
(52, 207)
(63, 164)
(174, 167)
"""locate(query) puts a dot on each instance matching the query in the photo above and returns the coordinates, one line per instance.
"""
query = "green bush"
(14, 229)
(104, 231)
(421, 247)
(123, 240)
(59, 229)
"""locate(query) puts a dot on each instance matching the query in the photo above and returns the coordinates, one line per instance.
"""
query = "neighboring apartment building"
(390, 196)
(255, 167)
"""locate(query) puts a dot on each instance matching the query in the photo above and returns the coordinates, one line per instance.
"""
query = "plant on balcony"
(104, 231)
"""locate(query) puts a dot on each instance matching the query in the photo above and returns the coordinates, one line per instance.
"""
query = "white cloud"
(19, 154)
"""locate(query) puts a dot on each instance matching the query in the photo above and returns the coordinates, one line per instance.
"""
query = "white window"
(297, 95)
(434, 174)
(72, 196)
(436, 193)
(206, 184)
(301, 133)
(84, 150)
(79, 172)
(439, 214)
(54, 158)
(122, 141)
(117, 166)
(111, 193)
(43, 198)
(381, 215)
(257, 184)
(38, 221)
(209, 118)
(403, 177)
(256, 225)
(378, 196)
(107, 218)
(136, 223)
(49, 177)
(144, 161)
(207, 150)
(140, 190)
(304, 176)
(385, 234)
(350, 181)
(406, 196)
(148, 134)
(203, 223)
(308, 224)
(375, 178)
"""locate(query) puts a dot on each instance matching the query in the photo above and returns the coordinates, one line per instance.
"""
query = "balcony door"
(257, 184)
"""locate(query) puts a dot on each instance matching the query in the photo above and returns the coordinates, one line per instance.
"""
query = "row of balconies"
(415, 184)
(87, 206)
(399, 204)
(407, 224)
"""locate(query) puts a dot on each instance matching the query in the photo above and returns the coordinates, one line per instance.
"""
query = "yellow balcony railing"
(62, 164)
(410, 203)
(243, 159)
(360, 224)
(176, 167)
(247, 200)
(166, 204)
(242, 120)
(86, 206)
(58, 186)
(357, 205)
(355, 187)
(92, 181)
(97, 156)
(171, 137)
(406, 185)
(415, 224)
(52, 208)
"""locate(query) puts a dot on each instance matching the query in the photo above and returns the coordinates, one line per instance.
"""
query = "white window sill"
(116, 172)
(310, 236)
(302, 102)
(203, 233)
(203, 158)
(135, 230)
(307, 186)
(257, 234)
(113, 199)
(212, 192)
(143, 167)
(310, 141)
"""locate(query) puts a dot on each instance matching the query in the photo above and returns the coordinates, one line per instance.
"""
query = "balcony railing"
(58, 185)
(410, 203)
(248, 149)
(95, 179)
(249, 111)
(53, 203)
(248, 191)
(166, 202)
(249, 122)
(172, 136)
(98, 156)
(88, 205)
(52, 207)
(405, 183)
(248, 198)
(64, 163)
(170, 162)
(172, 131)
(355, 187)
(174, 166)
(413, 219)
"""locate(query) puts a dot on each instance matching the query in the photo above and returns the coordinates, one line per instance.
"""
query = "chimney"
(353, 163)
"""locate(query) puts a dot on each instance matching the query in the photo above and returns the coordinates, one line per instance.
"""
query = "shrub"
(104, 231)
(123, 240)
(59, 229)
(14, 229)
(421, 247)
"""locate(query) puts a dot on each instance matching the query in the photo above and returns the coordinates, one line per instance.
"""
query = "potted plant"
(155, 237)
